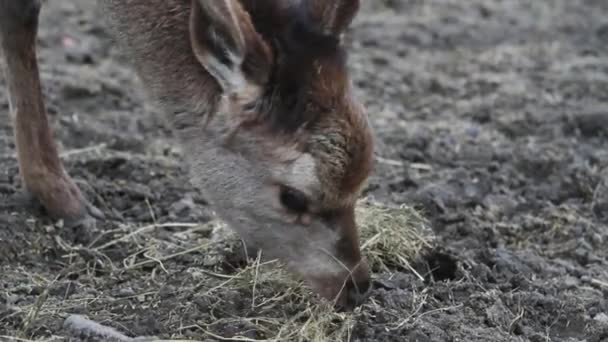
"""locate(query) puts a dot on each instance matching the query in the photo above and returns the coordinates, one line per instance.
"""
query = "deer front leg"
(41, 169)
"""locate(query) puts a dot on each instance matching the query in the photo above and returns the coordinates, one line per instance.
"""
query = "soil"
(491, 117)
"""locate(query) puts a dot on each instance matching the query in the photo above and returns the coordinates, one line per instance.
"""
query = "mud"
(491, 117)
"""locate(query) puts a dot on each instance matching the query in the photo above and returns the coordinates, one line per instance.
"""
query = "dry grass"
(276, 306)
(313, 322)
(391, 236)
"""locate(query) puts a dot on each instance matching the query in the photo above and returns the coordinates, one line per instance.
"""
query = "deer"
(262, 104)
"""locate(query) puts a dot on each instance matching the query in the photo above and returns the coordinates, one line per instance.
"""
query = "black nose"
(357, 293)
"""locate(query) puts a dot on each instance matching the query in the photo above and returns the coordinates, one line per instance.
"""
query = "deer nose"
(357, 292)
(357, 288)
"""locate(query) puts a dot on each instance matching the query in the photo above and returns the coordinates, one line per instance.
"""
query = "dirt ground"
(491, 118)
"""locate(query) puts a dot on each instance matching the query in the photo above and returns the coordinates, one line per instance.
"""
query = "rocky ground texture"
(491, 118)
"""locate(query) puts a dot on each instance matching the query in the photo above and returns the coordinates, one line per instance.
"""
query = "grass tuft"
(391, 236)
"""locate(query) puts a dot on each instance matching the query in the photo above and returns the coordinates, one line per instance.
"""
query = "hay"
(277, 307)
(391, 236)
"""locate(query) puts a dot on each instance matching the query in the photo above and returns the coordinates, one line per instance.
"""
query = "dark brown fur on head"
(308, 101)
(309, 93)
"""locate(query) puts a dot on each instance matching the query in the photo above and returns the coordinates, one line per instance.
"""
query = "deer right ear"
(331, 17)
(227, 45)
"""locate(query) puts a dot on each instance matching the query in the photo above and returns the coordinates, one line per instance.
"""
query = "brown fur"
(333, 17)
(313, 72)
(39, 164)
(260, 97)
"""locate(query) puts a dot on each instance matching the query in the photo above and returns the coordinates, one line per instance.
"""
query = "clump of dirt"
(489, 120)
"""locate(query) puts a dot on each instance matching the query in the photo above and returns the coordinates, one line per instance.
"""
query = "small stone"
(592, 124)
(602, 32)
(601, 317)
(571, 282)
(126, 292)
(182, 205)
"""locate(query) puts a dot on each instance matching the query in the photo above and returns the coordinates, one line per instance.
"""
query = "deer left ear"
(227, 45)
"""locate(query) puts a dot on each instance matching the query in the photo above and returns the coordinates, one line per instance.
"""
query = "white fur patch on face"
(302, 174)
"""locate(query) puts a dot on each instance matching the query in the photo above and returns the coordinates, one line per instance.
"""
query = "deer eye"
(294, 200)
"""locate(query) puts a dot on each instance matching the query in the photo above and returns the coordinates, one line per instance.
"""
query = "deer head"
(287, 150)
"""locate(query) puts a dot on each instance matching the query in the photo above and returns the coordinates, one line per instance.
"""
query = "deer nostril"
(362, 287)
(358, 292)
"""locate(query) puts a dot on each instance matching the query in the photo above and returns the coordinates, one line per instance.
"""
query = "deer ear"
(227, 45)
(331, 17)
